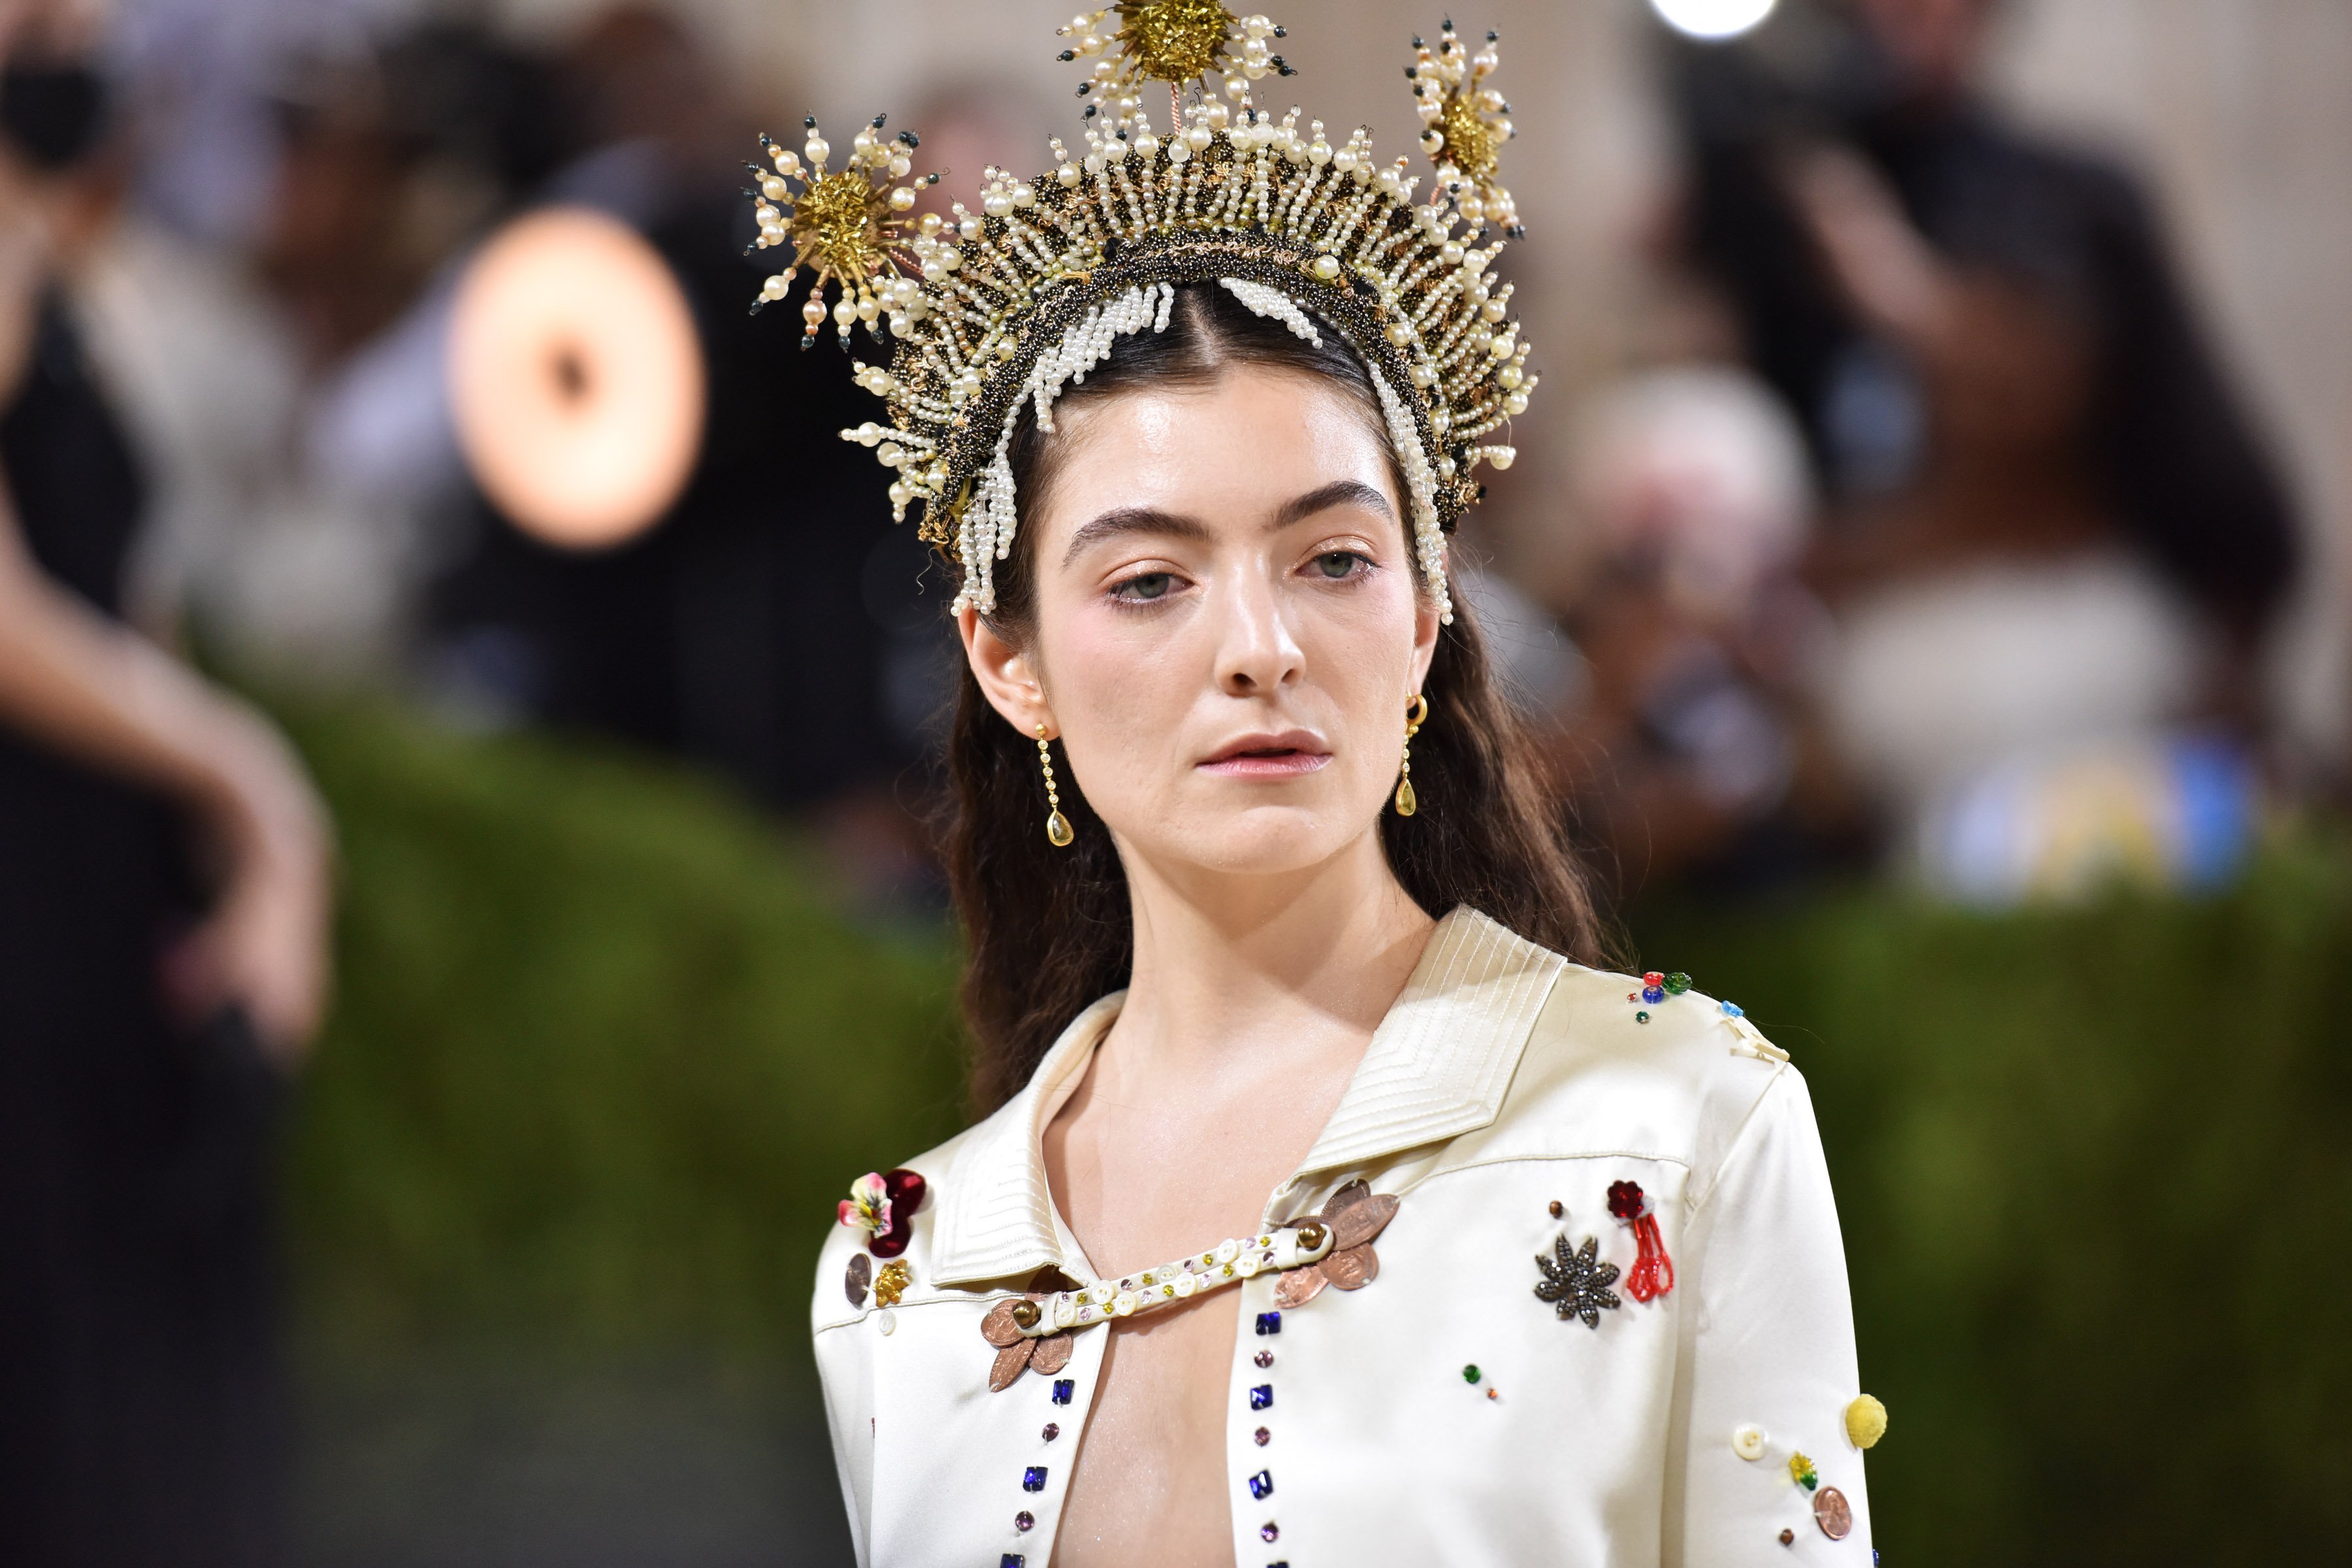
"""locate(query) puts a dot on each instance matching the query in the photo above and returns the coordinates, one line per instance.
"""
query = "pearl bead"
(817, 150)
(813, 311)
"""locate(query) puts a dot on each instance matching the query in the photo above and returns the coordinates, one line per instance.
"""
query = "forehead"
(1236, 448)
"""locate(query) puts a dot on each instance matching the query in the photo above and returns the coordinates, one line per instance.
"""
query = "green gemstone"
(1677, 983)
(1642, 1017)
(1469, 1374)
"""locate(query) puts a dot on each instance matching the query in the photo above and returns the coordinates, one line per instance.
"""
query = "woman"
(145, 1028)
(1330, 1207)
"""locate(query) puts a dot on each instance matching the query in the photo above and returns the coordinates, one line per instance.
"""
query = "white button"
(1228, 1250)
(886, 1320)
(1123, 1304)
(1185, 1284)
(1749, 1442)
(1246, 1265)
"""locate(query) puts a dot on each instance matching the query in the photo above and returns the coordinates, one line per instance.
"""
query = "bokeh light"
(1713, 18)
(576, 378)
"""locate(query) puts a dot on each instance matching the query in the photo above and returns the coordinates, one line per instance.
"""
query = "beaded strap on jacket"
(1031, 1331)
(1278, 1251)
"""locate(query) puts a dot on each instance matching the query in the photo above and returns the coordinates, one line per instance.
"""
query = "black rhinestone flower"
(1577, 1285)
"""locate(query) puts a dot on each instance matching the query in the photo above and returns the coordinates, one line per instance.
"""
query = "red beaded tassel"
(1652, 1274)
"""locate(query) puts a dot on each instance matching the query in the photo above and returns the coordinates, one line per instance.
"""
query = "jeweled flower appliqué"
(1576, 1285)
(883, 1203)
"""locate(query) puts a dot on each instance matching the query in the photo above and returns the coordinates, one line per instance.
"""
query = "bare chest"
(1150, 1482)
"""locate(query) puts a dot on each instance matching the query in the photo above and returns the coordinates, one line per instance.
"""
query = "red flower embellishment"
(1652, 1274)
(885, 1204)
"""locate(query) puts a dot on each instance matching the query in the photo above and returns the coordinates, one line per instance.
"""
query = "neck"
(1228, 966)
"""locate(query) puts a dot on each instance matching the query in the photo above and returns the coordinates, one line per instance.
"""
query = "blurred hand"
(265, 947)
(1883, 266)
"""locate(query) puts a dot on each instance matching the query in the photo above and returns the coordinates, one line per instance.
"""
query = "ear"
(1008, 677)
(1426, 625)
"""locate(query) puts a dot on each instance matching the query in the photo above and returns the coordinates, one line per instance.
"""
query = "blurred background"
(467, 898)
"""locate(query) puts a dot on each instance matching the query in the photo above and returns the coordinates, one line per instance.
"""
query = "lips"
(1287, 756)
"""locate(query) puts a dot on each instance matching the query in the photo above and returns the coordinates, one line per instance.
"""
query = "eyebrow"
(1127, 519)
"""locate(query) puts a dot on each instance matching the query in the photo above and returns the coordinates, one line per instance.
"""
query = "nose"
(1257, 649)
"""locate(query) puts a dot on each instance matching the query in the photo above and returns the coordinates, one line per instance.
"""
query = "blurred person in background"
(770, 623)
(1694, 754)
(163, 905)
(2055, 545)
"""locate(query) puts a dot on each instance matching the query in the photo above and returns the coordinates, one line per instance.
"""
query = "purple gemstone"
(1053, 1430)
(1263, 1358)
(1268, 1531)
(1024, 1521)
(1263, 1436)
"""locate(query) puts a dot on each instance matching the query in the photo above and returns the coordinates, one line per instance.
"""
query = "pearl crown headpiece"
(993, 312)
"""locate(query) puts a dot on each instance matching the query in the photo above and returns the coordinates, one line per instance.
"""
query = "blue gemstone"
(1733, 1010)
(1269, 1322)
(1262, 1485)
(1283, 1563)
(1654, 994)
(1063, 1388)
(1262, 1396)
(1014, 1559)
(1033, 1479)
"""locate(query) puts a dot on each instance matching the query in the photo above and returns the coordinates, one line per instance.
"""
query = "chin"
(1258, 840)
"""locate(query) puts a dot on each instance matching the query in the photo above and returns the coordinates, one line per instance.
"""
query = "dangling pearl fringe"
(986, 534)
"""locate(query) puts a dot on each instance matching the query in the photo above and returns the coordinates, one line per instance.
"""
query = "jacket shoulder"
(1611, 1065)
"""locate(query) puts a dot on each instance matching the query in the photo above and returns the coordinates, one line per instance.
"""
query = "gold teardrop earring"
(1058, 826)
(1407, 802)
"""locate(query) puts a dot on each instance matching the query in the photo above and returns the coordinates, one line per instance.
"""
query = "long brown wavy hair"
(1051, 931)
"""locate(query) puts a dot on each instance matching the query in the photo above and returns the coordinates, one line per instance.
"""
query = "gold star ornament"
(846, 226)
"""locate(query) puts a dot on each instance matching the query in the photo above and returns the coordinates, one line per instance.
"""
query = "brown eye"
(1150, 585)
(1338, 563)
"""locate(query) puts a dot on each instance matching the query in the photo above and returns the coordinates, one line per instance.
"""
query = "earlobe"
(1007, 674)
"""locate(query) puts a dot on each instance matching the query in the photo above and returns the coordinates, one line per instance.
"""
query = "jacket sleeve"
(844, 1346)
(1766, 1365)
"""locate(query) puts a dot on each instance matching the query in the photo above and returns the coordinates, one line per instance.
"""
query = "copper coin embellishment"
(1354, 1268)
(1832, 1514)
(1053, 1354)
(1361, 1221)
(999, 1328)
(859, 1279)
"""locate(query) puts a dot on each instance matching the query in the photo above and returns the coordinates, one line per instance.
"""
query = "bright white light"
(1713, 18)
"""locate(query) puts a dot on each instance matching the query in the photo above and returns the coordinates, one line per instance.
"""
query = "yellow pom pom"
(1865, 1421)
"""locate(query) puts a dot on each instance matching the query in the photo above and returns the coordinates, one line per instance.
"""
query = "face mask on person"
(53, 112)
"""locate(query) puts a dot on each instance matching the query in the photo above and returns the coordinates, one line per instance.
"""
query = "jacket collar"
(1437, 1066)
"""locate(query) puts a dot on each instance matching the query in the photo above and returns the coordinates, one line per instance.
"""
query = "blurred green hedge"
(606, 1056)
(603, 1056)
(2094, 1173)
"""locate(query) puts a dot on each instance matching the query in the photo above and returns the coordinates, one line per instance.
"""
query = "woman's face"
(1227, 629)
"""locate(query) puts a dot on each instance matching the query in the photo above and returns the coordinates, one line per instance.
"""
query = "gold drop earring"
(1407, 802)
(1058, 826)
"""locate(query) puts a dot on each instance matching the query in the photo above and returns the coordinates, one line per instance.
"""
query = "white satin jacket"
(1443, 1413)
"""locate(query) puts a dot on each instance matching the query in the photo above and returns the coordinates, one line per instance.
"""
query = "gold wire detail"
(1407, 802)
(1058, 826)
